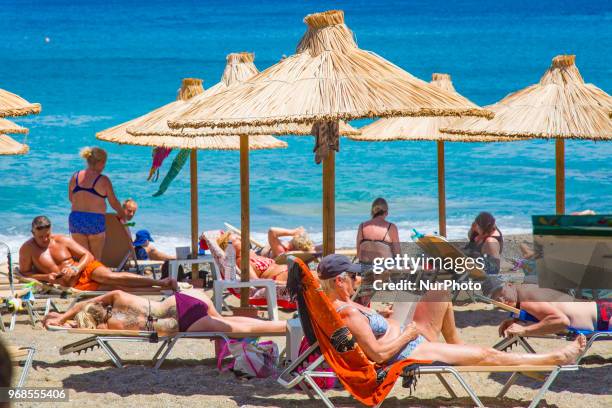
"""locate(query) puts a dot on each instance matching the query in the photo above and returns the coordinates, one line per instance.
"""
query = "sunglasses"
(352, 275)
(42, 227)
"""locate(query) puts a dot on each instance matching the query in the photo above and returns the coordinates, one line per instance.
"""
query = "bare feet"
(569, 354)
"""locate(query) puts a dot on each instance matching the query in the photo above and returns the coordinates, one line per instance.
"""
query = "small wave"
(63, 120)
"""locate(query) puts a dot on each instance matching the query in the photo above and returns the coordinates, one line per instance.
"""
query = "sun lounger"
(25, 355)
(264, 292)
(508, 342)
(119, 250)
(437, 246)
(165, 344)
(373, 383)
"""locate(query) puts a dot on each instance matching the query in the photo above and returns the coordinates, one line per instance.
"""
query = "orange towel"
(366, 381)
(85, 282)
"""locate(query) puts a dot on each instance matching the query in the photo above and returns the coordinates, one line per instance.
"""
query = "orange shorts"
(85, 282)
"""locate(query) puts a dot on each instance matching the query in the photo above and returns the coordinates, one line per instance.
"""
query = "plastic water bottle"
(230, 262)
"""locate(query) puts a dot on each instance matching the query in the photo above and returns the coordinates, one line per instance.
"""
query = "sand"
(190, 378)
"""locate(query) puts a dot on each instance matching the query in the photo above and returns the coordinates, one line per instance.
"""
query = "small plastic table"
(220, 286)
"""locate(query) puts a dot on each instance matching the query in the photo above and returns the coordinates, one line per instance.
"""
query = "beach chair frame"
(509, 342)
(291, 378)
(104, 338)
(25, 354)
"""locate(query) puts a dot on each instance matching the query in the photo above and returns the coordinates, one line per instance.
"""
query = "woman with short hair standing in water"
(88, 191)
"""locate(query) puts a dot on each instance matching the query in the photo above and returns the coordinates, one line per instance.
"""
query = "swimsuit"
(369, 253)
(85, 281)
(604, 314)
(86, 223)
(189, 310)
(379, 326)
(82, 222)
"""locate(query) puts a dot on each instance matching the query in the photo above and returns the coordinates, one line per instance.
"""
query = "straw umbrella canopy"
(15, 105)
(327, 80)
(561, 106)
(239, 67)
(155, 131)
(6, 126)
(9, 146)
(424, 129)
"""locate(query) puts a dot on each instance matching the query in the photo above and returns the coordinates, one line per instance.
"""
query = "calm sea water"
(108, 61)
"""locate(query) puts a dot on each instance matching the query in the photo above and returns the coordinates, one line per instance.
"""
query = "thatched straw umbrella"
(239, 67)
(6, 126)
(15, 105)
(327, 80)
(561, 106)
(9, 146)
(420, 129)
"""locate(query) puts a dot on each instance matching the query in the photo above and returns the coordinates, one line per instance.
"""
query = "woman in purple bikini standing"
(187, 311)
(88, 191)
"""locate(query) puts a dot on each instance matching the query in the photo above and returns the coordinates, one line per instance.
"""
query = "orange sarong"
(85, 282)
(366, 381)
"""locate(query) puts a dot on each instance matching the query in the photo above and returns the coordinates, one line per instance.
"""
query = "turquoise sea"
(108, 61)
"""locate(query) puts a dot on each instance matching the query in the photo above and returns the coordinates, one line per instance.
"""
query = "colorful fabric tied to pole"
(159, 155)
(177, 164)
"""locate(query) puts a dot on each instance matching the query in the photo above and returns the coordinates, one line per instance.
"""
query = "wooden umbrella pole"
(441, 190)
(244, 218)
(329, 203)
(560, 172)
(193, 170)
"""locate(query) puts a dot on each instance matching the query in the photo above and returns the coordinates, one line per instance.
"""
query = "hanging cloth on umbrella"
(327, 136)
(177, 164)
(159, 155)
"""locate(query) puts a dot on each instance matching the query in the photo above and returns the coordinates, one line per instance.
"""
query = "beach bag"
(323, 383)
(250, 358)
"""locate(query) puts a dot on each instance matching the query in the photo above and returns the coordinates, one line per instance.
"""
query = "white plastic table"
(173, 265)
(220, 286)
(295, 333)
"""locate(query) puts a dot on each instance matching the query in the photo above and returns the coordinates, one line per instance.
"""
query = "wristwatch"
(74, 268)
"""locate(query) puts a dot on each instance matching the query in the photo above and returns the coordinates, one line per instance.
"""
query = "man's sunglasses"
(42, 227)
(352, 275)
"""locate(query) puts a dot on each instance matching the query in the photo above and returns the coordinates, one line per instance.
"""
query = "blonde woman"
(186, 311)
(88, 191)
(299, 241)
(260, 267)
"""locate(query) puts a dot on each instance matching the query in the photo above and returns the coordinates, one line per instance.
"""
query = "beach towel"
(366, 381)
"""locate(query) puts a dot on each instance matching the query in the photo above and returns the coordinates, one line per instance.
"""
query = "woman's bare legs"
(434, 315)
(82, 240)
(463, 354)
(96, 244)
(233, 324)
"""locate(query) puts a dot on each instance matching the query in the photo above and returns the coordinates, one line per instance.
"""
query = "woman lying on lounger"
(261, 267)
(385, 341)
(187, 311)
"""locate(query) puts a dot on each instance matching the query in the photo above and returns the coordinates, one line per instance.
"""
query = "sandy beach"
(190, 378)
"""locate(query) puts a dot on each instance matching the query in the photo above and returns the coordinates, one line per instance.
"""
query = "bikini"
(382, 241)
(189, 310)
(379, 326)
(82, 222)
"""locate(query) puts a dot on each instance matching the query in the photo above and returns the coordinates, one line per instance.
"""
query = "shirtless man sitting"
(58, 259)
(555, 311)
